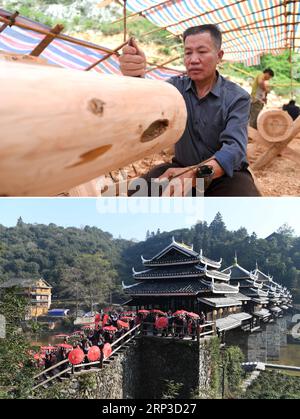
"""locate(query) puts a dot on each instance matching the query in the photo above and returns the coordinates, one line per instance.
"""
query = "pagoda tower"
(180, 278)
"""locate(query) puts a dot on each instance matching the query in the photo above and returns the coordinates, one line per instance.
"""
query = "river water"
(289, 355)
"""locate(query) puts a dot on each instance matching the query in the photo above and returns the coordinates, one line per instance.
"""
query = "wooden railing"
(208, 325)
(201, 331)
(123, 340)
(173, 331)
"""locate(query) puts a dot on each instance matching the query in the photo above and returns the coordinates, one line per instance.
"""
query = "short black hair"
(214, 31)
(269, 71)
(292, 102)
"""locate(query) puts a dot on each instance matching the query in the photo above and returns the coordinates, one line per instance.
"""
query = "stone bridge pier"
(144, 370)
(261, 345)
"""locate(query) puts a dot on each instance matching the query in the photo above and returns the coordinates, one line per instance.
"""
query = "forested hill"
(98, 262)
(278, 255)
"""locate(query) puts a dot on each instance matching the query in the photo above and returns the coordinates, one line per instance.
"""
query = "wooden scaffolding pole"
(12, 21)
(292, 50)
(163, 64)
(59, 36)
(124, 21)
(106, 56)
(47, 40)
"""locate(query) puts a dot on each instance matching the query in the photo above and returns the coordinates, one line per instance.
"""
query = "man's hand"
(133, 60)
(176, 187)
(218, 170)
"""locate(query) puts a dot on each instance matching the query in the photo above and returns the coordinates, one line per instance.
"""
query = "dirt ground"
(280, 178)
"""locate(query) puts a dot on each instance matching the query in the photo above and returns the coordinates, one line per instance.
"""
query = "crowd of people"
(108, 327)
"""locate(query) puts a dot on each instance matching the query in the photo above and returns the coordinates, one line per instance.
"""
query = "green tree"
(16, 366)
(98, 277)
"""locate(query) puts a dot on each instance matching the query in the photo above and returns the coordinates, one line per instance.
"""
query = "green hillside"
(94, 261)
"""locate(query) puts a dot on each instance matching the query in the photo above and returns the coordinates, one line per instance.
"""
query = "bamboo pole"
(292, 49)
(125, 21)
(106, 56)
(61, 128)
(284, 85)
(46, 41)
(12, 21)
(163, 64)
(240, 70)
(59, 36)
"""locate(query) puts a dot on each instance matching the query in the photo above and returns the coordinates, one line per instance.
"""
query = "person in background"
(259, 95)
(192, 328)
(292, 109)
(202, 318)
(170, 330)
(114, 319)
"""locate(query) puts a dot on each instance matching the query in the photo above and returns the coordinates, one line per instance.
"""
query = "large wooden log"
(22, 58)
(61, 128)
(275, 125)
(277, 148)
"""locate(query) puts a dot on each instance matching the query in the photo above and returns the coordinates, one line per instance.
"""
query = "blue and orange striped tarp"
(250, 27)
(64, 52)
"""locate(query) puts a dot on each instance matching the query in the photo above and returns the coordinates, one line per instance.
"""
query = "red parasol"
(144, 311)
(76, 356)
(158, 312)
(61, 335)
(110, 328)
(105, 319)
(161, 323)
(180, 313)
(122, 324)
(65, 346)
(107, 350)
(107, 309)
(193, 315)
(94, 354)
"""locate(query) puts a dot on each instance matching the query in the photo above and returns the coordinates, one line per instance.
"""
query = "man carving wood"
(218, 113)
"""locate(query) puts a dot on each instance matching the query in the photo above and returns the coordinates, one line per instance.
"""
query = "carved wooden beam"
(61, 128)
